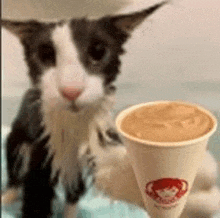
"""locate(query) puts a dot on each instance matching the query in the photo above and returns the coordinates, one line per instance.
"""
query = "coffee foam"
(167, 122)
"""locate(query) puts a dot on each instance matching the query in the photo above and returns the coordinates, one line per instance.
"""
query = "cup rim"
(124, 112)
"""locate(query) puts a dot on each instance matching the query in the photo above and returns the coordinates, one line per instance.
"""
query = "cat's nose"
(71, 93)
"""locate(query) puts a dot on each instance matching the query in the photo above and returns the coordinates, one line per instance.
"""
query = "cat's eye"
(97, 51)
(46, 54)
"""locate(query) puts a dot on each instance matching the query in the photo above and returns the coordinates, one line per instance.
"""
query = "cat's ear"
(129, 22)
(21, 29)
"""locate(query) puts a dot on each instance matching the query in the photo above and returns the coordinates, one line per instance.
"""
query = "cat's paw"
(203, 204)
(10, 196)
(206, 175)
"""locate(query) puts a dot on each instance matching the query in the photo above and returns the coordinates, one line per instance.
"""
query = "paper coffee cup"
(165, 171)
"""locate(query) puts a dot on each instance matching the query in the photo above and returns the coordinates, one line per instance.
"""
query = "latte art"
(167, 122)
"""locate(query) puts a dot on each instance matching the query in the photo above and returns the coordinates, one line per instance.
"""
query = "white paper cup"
(165, 167)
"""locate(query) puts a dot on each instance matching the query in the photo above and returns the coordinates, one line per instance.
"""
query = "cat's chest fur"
(68, 133)
(72, 135)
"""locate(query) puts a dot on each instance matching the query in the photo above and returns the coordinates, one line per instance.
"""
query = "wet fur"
(54, 140)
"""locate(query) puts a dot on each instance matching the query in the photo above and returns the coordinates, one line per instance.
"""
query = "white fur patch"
(24, 155)
(69, 69)
(71, 132)
(207, 174)
(203, 203)
(93, 93)
(10, 196)
(68, 132)
(115, 177)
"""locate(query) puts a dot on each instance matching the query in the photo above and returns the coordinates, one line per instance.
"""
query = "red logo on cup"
(166, 191)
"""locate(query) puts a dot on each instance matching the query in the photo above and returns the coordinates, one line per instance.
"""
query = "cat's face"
(75, 62)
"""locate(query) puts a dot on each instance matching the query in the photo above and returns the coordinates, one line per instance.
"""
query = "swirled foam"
(167, 122)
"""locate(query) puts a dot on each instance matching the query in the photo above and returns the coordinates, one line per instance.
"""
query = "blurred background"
(174, 55)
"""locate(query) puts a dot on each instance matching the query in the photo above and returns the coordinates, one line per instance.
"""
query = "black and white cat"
(64, 124)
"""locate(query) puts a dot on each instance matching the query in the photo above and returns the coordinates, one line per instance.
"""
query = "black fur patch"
(26, 129)
(40, 152)
(109, 138)
(114, 136)
(38, 182)
(29, 117)
(73, 194)
(110, 89)
(101, 138)
(32, 49)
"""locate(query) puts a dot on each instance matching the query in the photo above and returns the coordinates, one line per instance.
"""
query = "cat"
(64, 130)
(64, 122)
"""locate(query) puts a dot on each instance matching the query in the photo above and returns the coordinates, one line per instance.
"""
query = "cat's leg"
(18, 145)
(73, 194)
(11, 195)
(202, 204)
(38, 191)
(207, 174)
(115, 178)
(38, 194)
(14, 167)
(204, 199)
